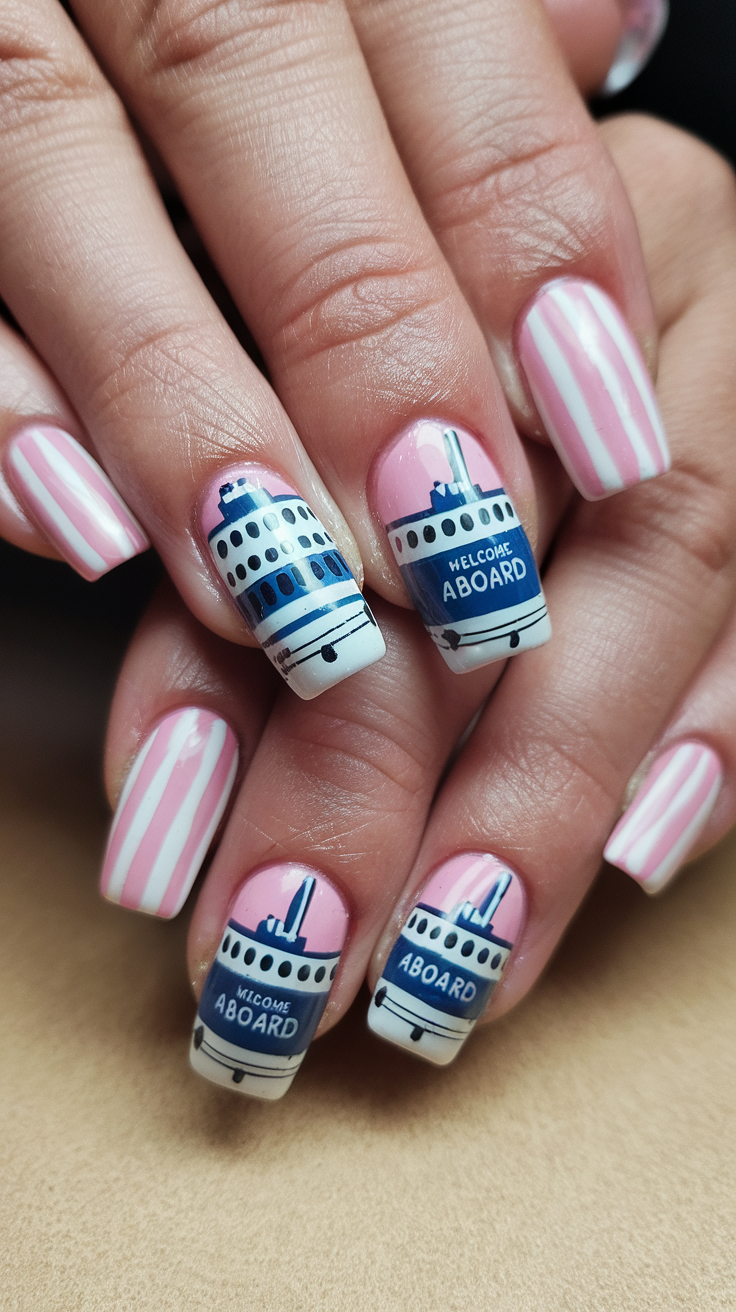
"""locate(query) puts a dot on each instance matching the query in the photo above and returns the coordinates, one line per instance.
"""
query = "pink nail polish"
(270, 980)
(72, 500)
(463, 554)
(449, 957)
(644, 25)
(172, 802)
(287, 578)
(592, 389)
(663, 822)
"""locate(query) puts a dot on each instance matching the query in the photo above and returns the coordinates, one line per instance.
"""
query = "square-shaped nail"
(591, 388)
(289, 581)
(172, 802)
(449, 957)
(73, 502)
(663, 822)
(463, 554)
(269, 983)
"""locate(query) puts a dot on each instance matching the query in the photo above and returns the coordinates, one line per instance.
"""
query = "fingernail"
(592, 389)
(449, 957)
(289, 581)
(270, 980)
(663, 822)
(644, 25)
(463, 555)
(172, 802)
(73, 501)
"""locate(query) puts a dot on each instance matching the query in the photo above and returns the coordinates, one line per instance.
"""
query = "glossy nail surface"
(592, 389)
(449, 957)
(72, 500)
(270, 980)
(663, 822)
(169, 809)
(644, 25)
(289, 581)
(463, 555)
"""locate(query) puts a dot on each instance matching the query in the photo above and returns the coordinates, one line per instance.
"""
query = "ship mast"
(298, 908)
(457, 464)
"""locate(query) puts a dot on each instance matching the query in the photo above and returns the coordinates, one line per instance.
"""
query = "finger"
(187, 715)
(521, 193)
(640, 595)
(167, 395)
(279, 146)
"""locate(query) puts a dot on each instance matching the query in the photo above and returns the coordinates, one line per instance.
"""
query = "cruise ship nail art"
(463, 554)
(289, 582)
(172, 802)
(270, 980)
(663, 822)
(449, 957)
(592, 389)
(72, 500)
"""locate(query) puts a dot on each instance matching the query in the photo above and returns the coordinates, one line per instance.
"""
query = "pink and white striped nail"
(644, 25)
(592, 389)
(64, 490)
(663, 822)
(172, 802)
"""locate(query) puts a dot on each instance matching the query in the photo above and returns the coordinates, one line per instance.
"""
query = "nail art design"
(663, 822)
(270, 980)
(173, 800)
(449, 957)
(592, 389)
(463, 555)
(290, 583)
(644, 25)
(73, 501)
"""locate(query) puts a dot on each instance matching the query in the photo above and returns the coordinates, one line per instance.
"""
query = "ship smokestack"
(457, 464)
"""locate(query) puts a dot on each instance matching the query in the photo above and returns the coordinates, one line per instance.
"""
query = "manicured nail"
(644, 25)
(663, 822)
(592, 389)
(73, 501)
(169, 810)
(463, 555)
(289, 581)
(449, 957)
(270, 980)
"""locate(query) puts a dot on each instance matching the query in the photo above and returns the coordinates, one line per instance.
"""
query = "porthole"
(467, 522)
(231, 580)
(332, 565)
(235, 950)
(448, 528)
(270, 522)
(254, 562)
(266, 962)
(298, 576)
(333, 972)
(467, 947)
(422, 925)
(509, 510)
(302, 512)
(255, 602)
(236, 537)
(319, 974)
(252, 530)
(483, 955)
(399, 545)
(496, 961)
(285, 584)
(268, 594)
(435, 932)
(303, 541)
(222, 549)
(413, 921)
(412, 538)
(451, 940)
(249, 956)
(288, 514)
(303, 973)
(226, 944)
(271, 554)
(287, 547)
(428, 533)
(240, 571)
(319, 539)
(483, 516)
(317, 569)
(285, 969)
(498, 512)
(311, 513)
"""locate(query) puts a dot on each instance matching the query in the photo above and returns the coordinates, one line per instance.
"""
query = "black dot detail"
(319, 539)
(222, 549)
(287, 547)
(255, 602)
(285, 969)
(514, 640)
(303, 540)
(496, 961)
(333, 972)
(302, 512)
(435, 932)
(270, 521)
(240, 571)
(254, 562)
(311, 513)
(303, 973)
(319, 974)
(328, 653)
(226, 944)
(412, 538)
(236, 537)
(332, 565)
(271, 554)
(467, 522)
(249, 957)
(317, 569)
(266, 962)
(451, 940)
(378, 1000)
(467, 947)
(483, 516)
(498, 512)
(269, 596)
(413, 921)
(399, 545)
(235, 950)
(509, 510)
(483, 955)
(298, 576)
(252, 530)
(285, 584)
(422, 925)
(428, 533)
(288, 515)
(231, 580)
(449, 528)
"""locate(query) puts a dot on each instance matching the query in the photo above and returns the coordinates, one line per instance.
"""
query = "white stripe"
(149, 804)
(571, 396)
(640, 377)
(201, 851)
(71, 535)
(642, 848)
(611, 381)
(678, 853)
(180, 828)
(91, 503)
(130, 783)
(640, 811)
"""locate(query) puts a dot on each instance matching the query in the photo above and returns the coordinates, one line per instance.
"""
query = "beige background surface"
(578, 1156)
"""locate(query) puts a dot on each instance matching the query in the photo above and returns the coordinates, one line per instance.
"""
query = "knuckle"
(192, 37)
(37, 72)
